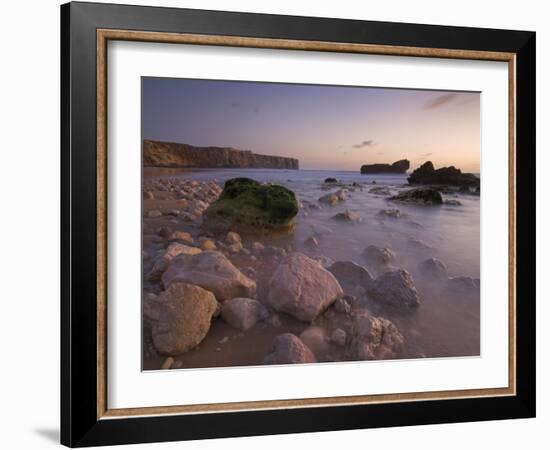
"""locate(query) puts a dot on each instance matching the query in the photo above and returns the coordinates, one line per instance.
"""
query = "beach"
(444, 324)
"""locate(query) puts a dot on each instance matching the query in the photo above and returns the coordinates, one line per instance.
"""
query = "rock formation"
(170, 154)
(400, 166)
(427, 174)
(247, 205)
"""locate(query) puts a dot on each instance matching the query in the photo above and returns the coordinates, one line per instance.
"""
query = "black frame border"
(79, 423)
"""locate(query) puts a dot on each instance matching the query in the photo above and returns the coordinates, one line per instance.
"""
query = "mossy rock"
(246, 205)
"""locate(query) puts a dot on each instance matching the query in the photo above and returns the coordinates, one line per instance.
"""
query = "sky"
(325, 127)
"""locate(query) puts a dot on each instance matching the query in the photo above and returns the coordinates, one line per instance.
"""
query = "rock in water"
(422, 196)
(249, 206)
(379, 255)
(182, 236)
(427, 174)
(374, 337)
(434, 268)
(333, 198)
(302, 288)
(347, 216)
(180, 318)
(210, 270)
(395, 288)
(464, 285)
(289, 349)
(331, 180)
(243, 313)
(351, 275)
(400, 166)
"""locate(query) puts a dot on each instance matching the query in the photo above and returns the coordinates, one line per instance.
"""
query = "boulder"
(180, 317)
(451, 176)
(373, 337)
(395, 288)
(302, 288)
(334, 198)
(347, 216)
(392, 213)
(421, 196)
(464, 285)
(400, 166)
(182, 236)
(434, 268)
(210, 270)
(163, 261)
(379, 255)
(316, 340)
(351, 275)
(243, 313)
(287, 348)
(232, 238)
(249, 206)
(331, 180)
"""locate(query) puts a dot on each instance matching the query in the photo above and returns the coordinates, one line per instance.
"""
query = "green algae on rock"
(246, 205)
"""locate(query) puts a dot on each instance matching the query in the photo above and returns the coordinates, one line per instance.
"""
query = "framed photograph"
(276, 224)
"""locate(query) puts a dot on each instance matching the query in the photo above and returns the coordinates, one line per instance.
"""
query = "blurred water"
(443, 325)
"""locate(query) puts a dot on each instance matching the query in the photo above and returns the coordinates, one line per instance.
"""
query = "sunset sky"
(325, 127)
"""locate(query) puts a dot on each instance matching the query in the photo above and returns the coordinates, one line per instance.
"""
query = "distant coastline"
(179, 155)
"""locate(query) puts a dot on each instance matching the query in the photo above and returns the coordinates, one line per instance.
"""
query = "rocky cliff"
(169, 154)
(400, 166)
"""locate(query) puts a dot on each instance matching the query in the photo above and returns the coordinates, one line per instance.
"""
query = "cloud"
(425, 155)
(439, 101)
(364, 144)
(234, 104)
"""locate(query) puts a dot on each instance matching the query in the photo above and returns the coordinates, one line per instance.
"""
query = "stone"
(210, 270)
(257, 246)
(163, 261)
(181, 317)
(379, 190)
(338, 337)
(164, 232)
(351, 275)
(207, 244)
(379, 255)
(400, 166)
(417, 243)
(331, 180)
(451, 176)
(420, 196)
(182, 236)
(287, 348)
(243, 313)
(154, 213)
(452, 202)
(434, 268)
(329, 199)
(232, 238)
(167, 364)
(347, 216)
(392, 213)
(148, 195)
(316, 340)
(311, 242)
(373, 337)
(302, 288)
(249, 206)
(395, 288)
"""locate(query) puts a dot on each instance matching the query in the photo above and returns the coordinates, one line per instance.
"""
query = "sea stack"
(400, 166)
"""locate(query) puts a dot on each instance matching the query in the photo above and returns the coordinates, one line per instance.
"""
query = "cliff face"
(400, 166)
(169, 154)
